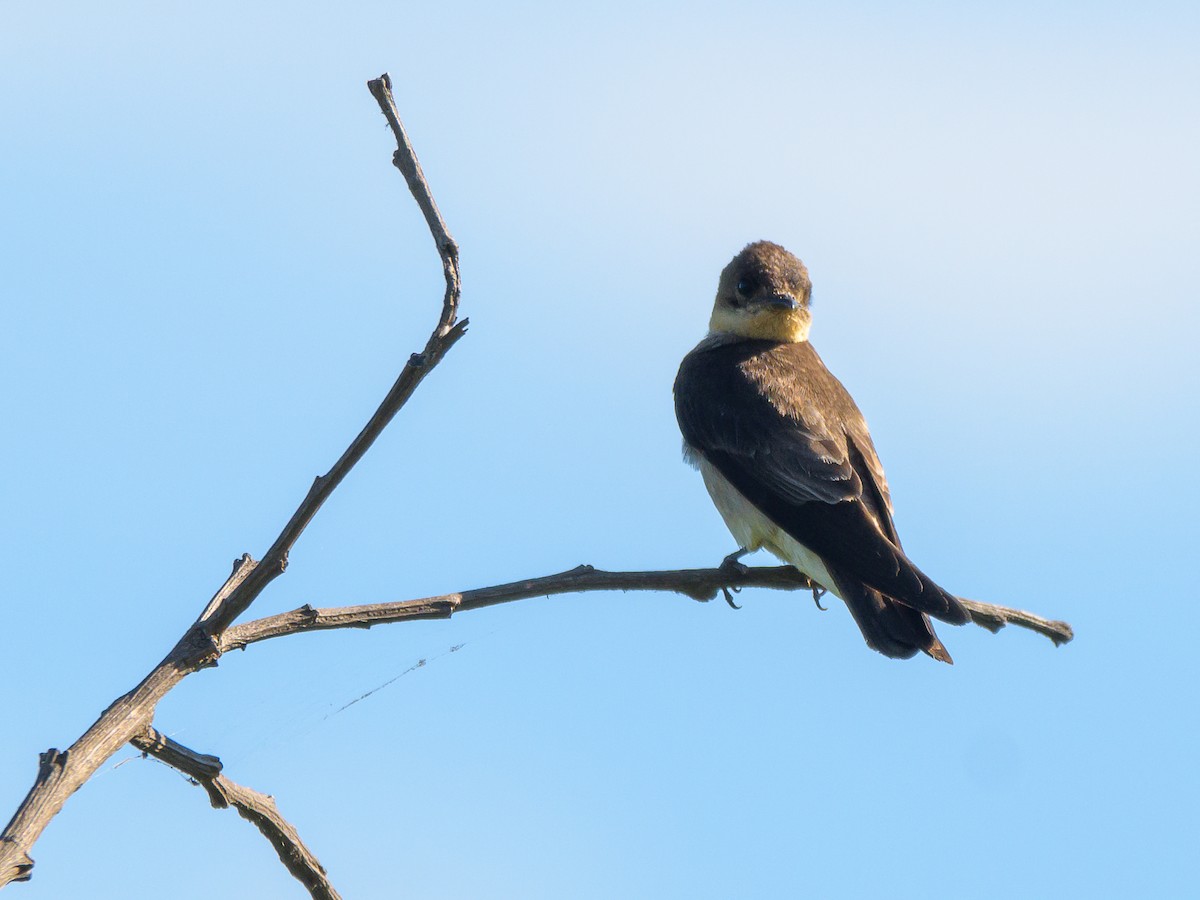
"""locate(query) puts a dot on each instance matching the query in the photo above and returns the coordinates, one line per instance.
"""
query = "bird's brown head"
(765, 293)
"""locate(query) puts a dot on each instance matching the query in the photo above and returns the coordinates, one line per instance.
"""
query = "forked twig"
(60, 774)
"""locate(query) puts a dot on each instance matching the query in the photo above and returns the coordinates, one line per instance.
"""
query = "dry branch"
(699, 584)
(255, 807)
(993, 618)
(223, 610)
(128, 719)
(60, 774)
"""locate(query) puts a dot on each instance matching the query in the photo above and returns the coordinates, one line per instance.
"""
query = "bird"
(788, 460)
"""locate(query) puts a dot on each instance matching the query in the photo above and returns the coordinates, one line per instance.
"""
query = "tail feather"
(916, 590)
(949, 608)
(889, 626)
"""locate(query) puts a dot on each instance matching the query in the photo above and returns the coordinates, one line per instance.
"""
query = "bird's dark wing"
(723, 412)
(788, 436)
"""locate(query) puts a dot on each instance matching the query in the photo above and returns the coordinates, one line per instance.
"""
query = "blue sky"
(212, 274)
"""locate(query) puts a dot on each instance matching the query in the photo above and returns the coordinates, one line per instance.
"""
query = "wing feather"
(790, 438)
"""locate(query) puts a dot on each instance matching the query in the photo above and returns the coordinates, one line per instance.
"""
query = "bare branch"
(699, 584)
(129, 718)
(220, 614)
(405, 159)
(256, 808)
(61, 774)
(993, 618)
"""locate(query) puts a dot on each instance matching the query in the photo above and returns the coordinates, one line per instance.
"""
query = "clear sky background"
(211, 274)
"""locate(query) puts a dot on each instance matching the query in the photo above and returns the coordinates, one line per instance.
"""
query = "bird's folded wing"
(787, 435)
(723, 411)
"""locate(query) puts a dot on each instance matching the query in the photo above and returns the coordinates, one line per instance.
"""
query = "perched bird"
(786, 456)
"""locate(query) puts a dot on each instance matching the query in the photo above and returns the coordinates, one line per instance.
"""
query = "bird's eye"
(745, 287)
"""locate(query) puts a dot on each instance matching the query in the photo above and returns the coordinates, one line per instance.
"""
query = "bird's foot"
(728, 595)
(732, 563)
(818, 593)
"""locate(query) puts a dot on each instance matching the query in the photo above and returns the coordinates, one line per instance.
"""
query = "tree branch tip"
(1063, 633)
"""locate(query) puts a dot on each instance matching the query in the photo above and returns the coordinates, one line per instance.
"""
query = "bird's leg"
(732, 565)
(731, 562)
(818, 593)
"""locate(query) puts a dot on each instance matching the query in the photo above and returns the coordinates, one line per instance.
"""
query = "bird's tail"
(889, 626)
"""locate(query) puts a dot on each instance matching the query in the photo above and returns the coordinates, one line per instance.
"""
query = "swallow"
(788, 460)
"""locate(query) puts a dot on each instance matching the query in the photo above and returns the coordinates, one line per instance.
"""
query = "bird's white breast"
(752, 529)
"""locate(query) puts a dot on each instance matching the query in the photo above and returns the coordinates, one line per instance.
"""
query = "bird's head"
(764, 293)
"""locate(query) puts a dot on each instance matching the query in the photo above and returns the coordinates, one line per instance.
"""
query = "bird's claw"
(729, 596)
(818, 593)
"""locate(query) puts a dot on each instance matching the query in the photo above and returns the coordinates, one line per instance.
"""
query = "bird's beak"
(780, 301)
